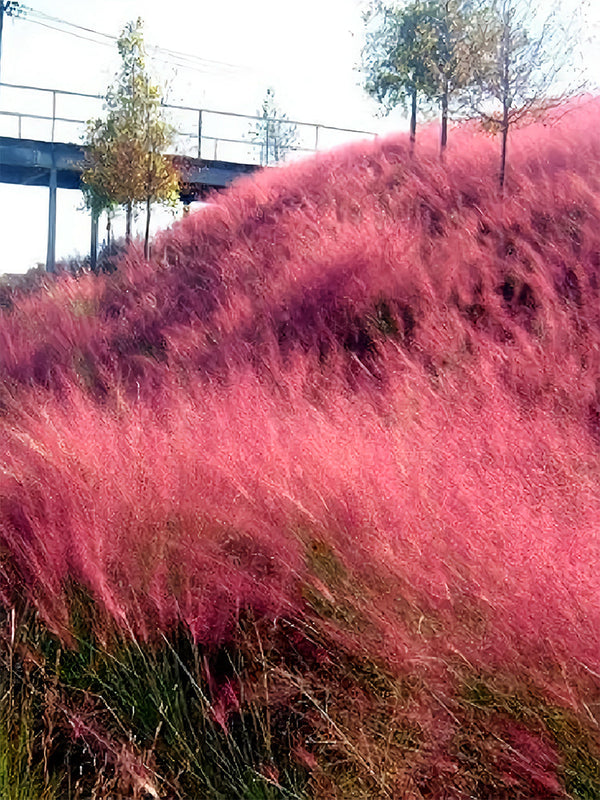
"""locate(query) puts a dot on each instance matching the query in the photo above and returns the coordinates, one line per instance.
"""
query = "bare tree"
(525, 72)
(273, 132)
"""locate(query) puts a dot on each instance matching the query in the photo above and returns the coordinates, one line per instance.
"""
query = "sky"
(230, 53)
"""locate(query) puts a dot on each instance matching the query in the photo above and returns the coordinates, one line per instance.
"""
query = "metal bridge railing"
(199, 132)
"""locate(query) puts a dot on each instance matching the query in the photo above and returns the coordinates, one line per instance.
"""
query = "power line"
(62, 30)
(163, 54)
(187, 56)
(42, 15)
(188, 63)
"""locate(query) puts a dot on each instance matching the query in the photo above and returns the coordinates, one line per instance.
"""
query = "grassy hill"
(308, 505)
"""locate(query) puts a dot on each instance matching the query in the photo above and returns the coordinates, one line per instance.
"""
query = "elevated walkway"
(59, 165)
(30, 162)
(55, 116)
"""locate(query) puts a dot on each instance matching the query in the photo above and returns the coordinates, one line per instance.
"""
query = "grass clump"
(573, 736)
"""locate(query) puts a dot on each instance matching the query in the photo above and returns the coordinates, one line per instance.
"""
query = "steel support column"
(51, 252)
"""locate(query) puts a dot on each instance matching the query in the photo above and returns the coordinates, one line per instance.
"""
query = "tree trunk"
(505, 126)
(444, 139)
(147, 236)
(506, 102)
(267, 145)
(94, 242)
(413, 120)
(128, 215)
(108, 227)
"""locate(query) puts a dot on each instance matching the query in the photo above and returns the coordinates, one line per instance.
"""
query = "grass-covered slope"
(308, 506)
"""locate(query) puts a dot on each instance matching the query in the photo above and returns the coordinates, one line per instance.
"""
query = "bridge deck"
(31, 162)
(58, 165)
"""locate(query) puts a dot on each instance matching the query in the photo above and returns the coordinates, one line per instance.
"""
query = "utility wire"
(62, 30)
(42, 15)
(189, 64)
(166, 55)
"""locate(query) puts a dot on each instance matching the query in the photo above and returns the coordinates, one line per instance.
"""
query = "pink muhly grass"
(363, 388)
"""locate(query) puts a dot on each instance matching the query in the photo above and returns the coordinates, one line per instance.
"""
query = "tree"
(396, 56)
(125, 161)
(456, 53)
(273, 132)
(525, 65)
(423, 47)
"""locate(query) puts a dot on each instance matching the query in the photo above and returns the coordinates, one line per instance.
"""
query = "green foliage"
(125, 150)
(170, 697)
(284, 711)
(26, 717)
(20, 779)
(423, 51)
(494, 58)
(397, 53)
(577, 746)
(456, 52)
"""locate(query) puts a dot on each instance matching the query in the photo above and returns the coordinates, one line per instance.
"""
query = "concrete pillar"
(51, 252)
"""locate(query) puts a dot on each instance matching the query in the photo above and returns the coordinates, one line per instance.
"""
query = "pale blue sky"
(306, 51)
